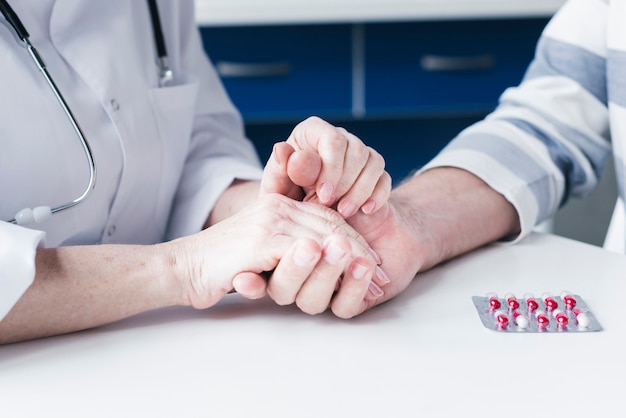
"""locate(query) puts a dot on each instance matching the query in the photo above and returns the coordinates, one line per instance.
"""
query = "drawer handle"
(450, 63)
(236, 69)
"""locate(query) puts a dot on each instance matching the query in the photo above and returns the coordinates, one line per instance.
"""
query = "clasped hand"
(297, 233)
(330, 168)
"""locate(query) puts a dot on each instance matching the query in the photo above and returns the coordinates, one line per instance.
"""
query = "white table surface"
(424, 353)
(245, 12)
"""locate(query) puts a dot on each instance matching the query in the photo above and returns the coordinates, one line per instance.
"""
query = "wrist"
(452, 211)
(172, 269)
(419, 222)
(196, 275)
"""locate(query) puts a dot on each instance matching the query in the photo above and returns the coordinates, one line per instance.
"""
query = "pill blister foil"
(489, 316)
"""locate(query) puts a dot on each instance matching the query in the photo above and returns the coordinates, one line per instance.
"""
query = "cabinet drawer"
(433, 67)
(274, 72)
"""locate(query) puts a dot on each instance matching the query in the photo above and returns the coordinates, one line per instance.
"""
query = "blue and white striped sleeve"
(548, 139)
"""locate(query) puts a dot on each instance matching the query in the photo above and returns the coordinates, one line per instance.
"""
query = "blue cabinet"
(444, 67)
(284, 72)
(405, 88)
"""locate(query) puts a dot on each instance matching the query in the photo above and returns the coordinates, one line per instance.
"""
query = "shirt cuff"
(18, 247)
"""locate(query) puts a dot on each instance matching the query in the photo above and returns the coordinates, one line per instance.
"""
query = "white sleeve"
(219, 151)
(18, 247)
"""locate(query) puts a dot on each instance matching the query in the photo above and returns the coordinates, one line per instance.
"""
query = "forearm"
(453, 212)
(77, 288)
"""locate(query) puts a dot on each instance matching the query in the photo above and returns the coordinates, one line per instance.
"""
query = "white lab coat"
(163, 155)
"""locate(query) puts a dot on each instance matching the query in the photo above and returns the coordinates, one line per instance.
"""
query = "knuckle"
(275, 206)
(376, 159)
(364, 153)
(342, 131)
(387, 181)
(335, 218)
(335, 141)
(336, 226)
(314, 119)
(273, 199)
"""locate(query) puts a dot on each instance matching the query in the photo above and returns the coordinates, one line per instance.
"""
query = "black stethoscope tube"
(165, 74)
(13, 20)
(42, 213)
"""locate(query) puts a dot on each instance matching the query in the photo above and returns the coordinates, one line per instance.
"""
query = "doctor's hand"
(302, 239)
(328, 165)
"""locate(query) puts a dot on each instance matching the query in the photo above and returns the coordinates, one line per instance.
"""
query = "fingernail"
(375, 290)
(302, 257)
(347, 209)
(368, 207)
(382, 276)
(373, 253)
(333, 253)
(326, 192)
(359, 271)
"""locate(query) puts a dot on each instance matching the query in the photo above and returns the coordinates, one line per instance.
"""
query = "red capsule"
(561, 317)
(502, 319)
(569, 300)
(562, 320)
(542, 320)
(551, 303)
(511, 301)
(494, 302)
(531, 302)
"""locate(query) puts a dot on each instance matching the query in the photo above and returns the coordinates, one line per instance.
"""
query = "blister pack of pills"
(565, 313)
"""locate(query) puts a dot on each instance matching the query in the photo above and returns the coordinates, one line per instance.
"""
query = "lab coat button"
(111, 230)
(114, 104)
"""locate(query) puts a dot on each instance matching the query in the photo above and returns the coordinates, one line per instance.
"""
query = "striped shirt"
(550, 137)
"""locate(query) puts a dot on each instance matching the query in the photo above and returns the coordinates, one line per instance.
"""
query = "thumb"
(304, 168)
(250, 285)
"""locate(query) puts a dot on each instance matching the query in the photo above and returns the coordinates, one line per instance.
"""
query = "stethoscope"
(41, 214)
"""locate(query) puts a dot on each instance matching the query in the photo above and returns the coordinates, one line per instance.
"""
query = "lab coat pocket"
(174, 110)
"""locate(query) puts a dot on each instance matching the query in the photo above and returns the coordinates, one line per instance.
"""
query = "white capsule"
(582, 318)
(521, 320)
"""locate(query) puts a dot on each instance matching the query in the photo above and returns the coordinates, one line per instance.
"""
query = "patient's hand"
(328, 165)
